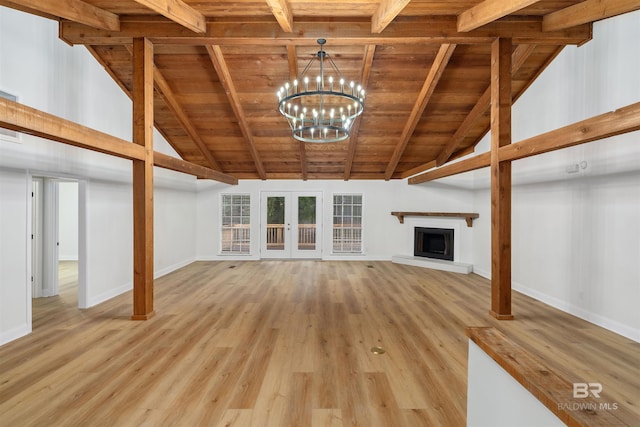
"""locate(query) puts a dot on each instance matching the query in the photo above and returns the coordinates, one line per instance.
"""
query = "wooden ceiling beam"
(21, 118)
(178, 12)
(303, 160)
(73, 10)
(433, 30)
(219, 63)
(519, 56)
(587, 11)
(386, 12)
(108, 69)
(170, 101)
(167, 94)
(282, 13)
(367, 63)
(168, 162)
(292, 57)
(432, 164)
(488, 11)
(433, 77)
(622, 120)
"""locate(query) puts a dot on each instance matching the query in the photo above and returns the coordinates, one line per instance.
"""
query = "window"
(347, 223)
(236, 224)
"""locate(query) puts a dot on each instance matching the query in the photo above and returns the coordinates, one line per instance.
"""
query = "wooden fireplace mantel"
(469, 217)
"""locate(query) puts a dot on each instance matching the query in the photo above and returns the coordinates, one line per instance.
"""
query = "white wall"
(576, 236)
(383, 235)
(15, 309)
(49, 75)
(496, 399)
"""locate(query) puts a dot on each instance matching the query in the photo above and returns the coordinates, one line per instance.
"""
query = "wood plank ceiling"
(425, 65)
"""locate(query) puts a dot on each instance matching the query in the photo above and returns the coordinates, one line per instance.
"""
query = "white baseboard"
(172, 268)
(602, 321)
(480, 272)
(95, 300)
(14, 334)
(562, 305)
(67, 257)
(111, 293)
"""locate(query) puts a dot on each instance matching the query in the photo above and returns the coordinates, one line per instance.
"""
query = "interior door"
(290, 224)
(44, 255)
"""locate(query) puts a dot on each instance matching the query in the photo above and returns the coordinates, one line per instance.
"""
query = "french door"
(290, 224)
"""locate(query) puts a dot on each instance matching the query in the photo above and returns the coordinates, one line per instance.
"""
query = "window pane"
(236, 224)
(347, 223)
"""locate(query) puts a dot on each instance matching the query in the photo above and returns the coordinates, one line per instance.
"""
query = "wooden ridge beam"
(178, 111)
(488, 11)
(433, 77)
(367, 63)
(21, 118)
(587, 11)
(215, 53)
(620, 121)
(282, 13)
(386, 12)
(73, 10)
(520, 55)
(178, 12)
(434, 30)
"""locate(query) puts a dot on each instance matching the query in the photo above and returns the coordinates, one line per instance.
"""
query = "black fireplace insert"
(433, 243)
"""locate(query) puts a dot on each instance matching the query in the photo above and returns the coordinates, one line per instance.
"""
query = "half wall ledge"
(468, 216)
(436, 264)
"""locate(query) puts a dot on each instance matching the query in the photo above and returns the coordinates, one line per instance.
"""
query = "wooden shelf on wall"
(469, 217)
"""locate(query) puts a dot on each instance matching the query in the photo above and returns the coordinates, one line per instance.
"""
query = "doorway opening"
(56, 234)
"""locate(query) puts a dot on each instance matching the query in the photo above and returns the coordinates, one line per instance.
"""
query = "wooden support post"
(143, 180)
(500, 180)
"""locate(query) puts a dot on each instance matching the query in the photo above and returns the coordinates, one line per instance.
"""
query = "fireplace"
(433, 243)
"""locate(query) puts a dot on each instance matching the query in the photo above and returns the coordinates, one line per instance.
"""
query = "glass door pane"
(307, 223)
(276, 223)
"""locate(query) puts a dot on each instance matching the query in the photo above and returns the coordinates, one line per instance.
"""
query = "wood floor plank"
(280, 343)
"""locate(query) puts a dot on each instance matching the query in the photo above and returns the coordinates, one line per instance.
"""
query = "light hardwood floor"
(286, 343)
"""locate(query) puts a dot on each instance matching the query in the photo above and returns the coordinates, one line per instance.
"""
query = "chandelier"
(321, 110)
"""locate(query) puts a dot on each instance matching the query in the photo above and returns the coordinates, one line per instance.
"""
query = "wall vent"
(8, 134)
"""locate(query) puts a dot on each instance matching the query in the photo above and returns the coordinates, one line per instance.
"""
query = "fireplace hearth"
(434, 243)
